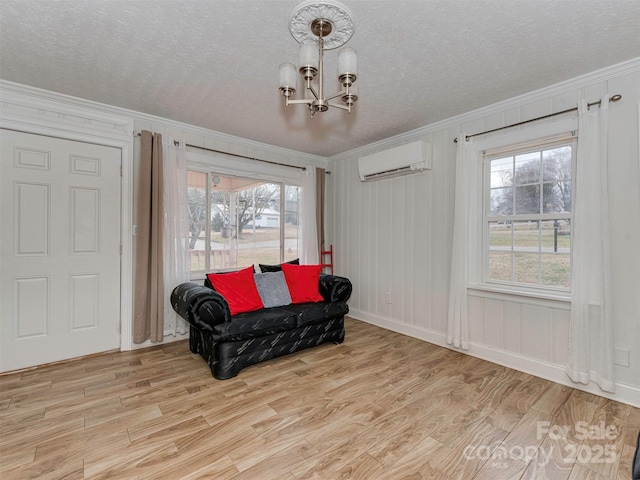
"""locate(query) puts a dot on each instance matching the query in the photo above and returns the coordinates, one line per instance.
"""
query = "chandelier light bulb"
(347, 62)
(287, 76)
(320, 26)
(309, 55)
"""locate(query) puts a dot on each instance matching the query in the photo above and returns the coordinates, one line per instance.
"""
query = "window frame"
(512, 150)
(214, 165)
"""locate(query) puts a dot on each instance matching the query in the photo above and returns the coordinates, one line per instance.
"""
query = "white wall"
(395, 236)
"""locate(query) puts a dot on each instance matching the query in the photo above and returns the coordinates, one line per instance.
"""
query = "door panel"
(59, 249)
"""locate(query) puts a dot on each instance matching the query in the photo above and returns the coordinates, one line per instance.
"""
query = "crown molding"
(40, 111)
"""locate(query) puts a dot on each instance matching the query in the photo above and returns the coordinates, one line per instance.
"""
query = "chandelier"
(320, 26)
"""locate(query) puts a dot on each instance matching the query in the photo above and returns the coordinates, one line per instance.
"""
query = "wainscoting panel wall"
(393, 238)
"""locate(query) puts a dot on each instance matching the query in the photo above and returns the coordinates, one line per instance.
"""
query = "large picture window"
(236, 222)
(527, 215)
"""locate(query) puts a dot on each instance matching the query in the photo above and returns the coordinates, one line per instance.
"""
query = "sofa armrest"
(201, 306)
(334, 288)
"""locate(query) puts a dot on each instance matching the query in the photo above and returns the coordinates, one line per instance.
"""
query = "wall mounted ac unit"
(410, 158)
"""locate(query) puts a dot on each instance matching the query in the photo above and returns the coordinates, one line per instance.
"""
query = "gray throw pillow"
(273, 289)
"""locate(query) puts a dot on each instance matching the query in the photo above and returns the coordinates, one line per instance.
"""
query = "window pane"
(556, 197)
(500, 266)
(556, 236)
(556, 269)
(551, 200)
(196, 200)
(500, 251)
(500, 234)
(526, 245)
(221, 255)
(502, 172)
(565, 192)
(556, 164)
(291, 223)
(557, 177)
(501, 201)
(527, 168)
(526, 236)
(527, 199)
(258, 224)
(526, 267)
(556, 248)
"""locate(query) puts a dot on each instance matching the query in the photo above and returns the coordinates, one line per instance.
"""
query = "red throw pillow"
(303, 282)
(238, 289)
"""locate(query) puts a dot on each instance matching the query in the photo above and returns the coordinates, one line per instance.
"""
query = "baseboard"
(556, 373)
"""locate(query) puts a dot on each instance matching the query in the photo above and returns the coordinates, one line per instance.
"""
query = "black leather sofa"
(230, 343)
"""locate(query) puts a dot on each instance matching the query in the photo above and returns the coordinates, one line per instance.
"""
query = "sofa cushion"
(254, 324)
(273, 289)
(276, 268)
(303, 282)
(207, 282)
(238, 289)
(291, 339)
(310, 313)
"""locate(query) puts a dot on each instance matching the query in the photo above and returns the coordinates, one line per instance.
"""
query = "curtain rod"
(248, 158)
(137, 134)
(613, 98)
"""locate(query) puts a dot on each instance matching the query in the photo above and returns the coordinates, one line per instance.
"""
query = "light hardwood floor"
(379, 406)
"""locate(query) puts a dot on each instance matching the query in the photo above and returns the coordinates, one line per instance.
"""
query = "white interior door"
(59, 249)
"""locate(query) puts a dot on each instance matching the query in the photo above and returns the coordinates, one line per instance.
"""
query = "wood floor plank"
(625, 463)
(16, 458)
(419, 463)
(200, 467)
(552, 461)
(278, 465)
(47, 470)
(129, 461)
(120, 418)
(380, 406)
(508, 468)
(215, 444)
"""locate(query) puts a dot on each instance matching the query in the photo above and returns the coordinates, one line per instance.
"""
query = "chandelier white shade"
(319, 26)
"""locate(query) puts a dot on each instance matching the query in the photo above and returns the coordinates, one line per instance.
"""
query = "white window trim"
(205, 162)
(477, 242)
(569, 138)
(210, 164)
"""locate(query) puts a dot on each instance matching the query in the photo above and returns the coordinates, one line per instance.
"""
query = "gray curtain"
(148, 310)
(320, 182)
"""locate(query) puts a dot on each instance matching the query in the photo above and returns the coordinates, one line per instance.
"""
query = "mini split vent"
(410, 158)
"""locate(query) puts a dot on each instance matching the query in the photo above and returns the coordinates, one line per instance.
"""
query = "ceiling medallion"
(319, 26)
(302, 16)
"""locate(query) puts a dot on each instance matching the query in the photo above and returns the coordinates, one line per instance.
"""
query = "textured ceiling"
(214, 63)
